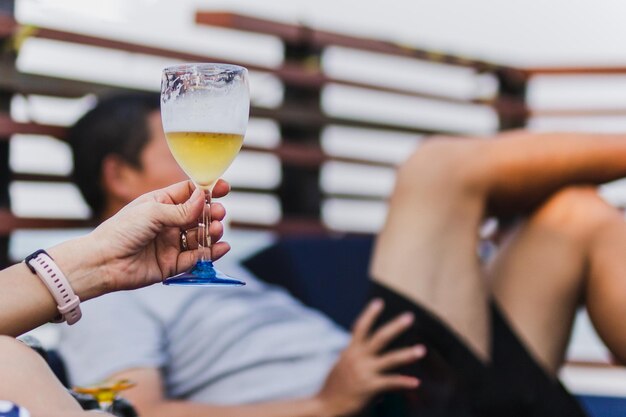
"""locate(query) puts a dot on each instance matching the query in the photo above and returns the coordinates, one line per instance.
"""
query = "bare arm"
(137, 247)
(150, 401)
(358, 376)
(25, 300)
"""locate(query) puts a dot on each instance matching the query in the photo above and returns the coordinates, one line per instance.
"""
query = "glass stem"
(204, 222)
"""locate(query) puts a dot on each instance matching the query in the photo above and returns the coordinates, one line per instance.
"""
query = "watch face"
(9, 409)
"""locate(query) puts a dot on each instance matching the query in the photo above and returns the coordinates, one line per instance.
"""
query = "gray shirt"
(213, 345)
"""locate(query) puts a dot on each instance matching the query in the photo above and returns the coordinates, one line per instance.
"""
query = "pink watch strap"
(68, 303)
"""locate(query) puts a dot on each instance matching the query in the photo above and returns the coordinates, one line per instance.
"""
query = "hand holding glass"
(205, 110)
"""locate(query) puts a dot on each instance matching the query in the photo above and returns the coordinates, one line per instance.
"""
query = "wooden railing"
(300, 117)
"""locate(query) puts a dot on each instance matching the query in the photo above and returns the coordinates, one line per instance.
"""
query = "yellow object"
(204, 156)
(105, 392)
(19, 37)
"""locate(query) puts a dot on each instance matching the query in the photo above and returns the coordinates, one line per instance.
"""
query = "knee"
(441, 164)
(577, 211)
(13, 351)
(10, 346)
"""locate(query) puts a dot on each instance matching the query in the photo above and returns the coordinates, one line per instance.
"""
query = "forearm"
(27, 303)
(296, 408)
(521, 169)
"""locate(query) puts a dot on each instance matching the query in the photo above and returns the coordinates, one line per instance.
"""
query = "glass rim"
(213, 68)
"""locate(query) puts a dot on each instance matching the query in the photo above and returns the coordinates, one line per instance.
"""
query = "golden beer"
(204, 156)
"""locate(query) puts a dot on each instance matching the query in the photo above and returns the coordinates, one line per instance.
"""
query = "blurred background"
(341, 93)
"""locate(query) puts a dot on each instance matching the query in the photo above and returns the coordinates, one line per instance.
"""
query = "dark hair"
(117, 125)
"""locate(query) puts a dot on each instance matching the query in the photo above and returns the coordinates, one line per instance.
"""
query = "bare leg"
(540, 275)
(26, 380)
(426, 251)
(606, 288)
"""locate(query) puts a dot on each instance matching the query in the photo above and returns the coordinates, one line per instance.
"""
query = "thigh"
(26, 379)
(457, 383)
(426, 250)
(539, 275)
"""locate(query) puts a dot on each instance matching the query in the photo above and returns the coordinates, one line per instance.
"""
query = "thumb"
(180, 215)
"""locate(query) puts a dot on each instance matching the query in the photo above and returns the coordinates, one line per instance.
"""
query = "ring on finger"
(184, 244)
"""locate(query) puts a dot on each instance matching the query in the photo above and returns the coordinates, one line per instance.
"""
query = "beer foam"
(207, 111)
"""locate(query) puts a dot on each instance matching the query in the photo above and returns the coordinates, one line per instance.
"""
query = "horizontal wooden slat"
(9, 127)
(304, 35)
(28, 177)
(287, 226)
(62, 179)
(51, 178)
(9, 223)
(577, 112)
(574, 70)
(594, 364)
(7, 25)
(289, 73)
(13, 81)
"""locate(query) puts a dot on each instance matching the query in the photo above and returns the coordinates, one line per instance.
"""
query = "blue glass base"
(203, 273)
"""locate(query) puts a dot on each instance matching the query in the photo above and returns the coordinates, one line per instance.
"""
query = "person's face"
(158, 167)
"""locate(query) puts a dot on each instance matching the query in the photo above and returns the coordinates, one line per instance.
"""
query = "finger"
(217, 211)
(216, 231)
(366, 320)
(217, 215)
(174, 194)
(177, 215)
(220, 189)
(167, 252)
(390, 331)
(192, 238)
(186, 260)
(400, 357)
(396, 382)
(219, 249)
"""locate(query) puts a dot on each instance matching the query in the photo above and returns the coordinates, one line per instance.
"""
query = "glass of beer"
(204, 108)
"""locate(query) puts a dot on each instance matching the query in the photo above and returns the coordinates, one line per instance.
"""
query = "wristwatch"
(68, 303)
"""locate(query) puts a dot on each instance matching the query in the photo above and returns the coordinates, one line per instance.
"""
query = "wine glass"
(204, 108)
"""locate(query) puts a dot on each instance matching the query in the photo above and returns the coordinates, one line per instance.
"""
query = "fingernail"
(377, 303)
(419, 351)
(416, 383)
(407, 318)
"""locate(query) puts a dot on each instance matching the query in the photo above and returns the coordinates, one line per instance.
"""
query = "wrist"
(322, 407)
(81, 263)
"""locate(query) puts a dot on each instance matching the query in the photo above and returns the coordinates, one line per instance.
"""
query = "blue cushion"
(326, 273)
(598, 406)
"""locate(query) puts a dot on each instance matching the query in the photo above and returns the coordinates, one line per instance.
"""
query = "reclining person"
(496, 334)
(210, 347)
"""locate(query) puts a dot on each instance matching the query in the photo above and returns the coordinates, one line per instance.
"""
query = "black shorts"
(455, 383)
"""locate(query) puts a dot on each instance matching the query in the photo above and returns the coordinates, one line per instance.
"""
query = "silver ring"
(183, 241)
